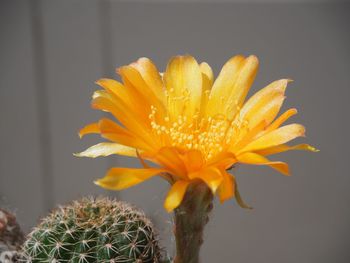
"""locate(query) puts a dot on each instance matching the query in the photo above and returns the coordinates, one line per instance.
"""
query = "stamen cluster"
(210, 135)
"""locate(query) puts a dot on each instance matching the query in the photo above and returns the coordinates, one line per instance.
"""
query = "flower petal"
(281, 119)
(169, 158)
(212, 176)
(207, 83)
(112, 131)
(175, 195)
(183, 80)
(276, 137)
(88, 129)
(223, 160)
(242, 139)
(238, 197)
(226, 188)
(105, 102)
(232, 85)
(208, 73)
(133, 122)
(193, 160)
(256, 159)
(133, 80)
(127, 97)
(284, 148)
(106, 149)
(108, 126)
(122, 178)
(116, 88)
(151, 76)
(264, 105)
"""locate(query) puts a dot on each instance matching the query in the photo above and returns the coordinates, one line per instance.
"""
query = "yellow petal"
(132, 121)
(281, 119)
(256, 159)
(112, 131)
(151, 76)
(128, 98)
(284, 148)
(264, 105)
(108, 126)
(212, 176)
(264, 95)
(122, 178)
(105, 102)
(232, 85)
(194, 160)
(243, 139)
(223, 160)
(169, 158)
(183, 80)
(133, 80)
(142, 161)
(106, 149)
(208, 72)
(226, 188)
(207, 83)
(88, 129)
(116, 88)
(238, 197)
(276, 137)
(175, 195)
(222, 86)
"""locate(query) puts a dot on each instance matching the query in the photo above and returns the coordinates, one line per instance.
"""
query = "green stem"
(190, 219)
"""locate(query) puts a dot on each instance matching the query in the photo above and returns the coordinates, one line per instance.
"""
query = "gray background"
(52, 52)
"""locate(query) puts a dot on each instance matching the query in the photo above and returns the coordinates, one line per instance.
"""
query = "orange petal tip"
(313, 149)
(253, 57)
(169, 210)
(118, 70)
(80, 134)
(99, 82)
(94, 106)
(96, 182)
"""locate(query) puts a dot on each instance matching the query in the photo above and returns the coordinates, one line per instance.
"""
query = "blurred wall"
(53, 51)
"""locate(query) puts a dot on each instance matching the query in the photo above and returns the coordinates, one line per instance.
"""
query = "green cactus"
(93, 230)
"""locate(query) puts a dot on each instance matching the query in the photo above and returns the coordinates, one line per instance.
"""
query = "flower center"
(209, 135)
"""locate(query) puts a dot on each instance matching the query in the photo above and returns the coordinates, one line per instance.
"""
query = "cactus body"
(93, 230)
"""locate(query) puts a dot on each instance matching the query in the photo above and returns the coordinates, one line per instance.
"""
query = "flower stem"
(190, 218)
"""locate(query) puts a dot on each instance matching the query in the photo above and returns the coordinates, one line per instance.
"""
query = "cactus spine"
(93, 230)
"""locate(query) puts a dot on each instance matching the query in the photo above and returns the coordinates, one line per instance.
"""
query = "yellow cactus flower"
(193, 127)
